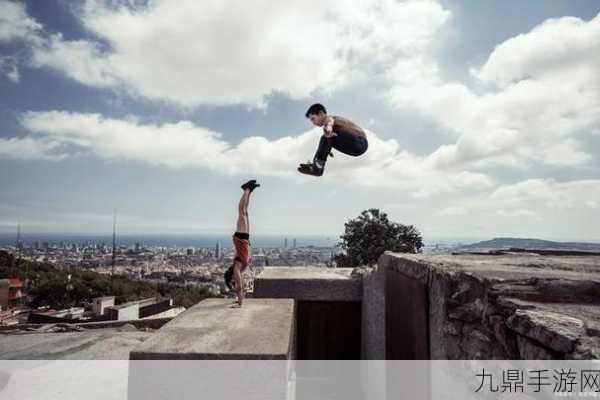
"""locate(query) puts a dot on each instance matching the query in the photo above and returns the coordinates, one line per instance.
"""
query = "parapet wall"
(501, 307)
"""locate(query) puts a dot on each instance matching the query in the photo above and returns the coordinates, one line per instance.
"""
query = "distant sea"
(170, 240)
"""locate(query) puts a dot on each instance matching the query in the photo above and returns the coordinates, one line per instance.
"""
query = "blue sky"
(483, 116)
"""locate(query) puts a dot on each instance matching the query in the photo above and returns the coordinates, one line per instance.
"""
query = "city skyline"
(482, 118)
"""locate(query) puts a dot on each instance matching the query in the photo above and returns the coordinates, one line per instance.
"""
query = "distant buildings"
(124, 312)
(217, 251)
(104, 309)
(100, 304)
(10, 293)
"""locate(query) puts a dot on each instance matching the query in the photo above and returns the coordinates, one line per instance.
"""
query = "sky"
(483, 118)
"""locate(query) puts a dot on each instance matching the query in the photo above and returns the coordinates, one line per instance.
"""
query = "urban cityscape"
(199, 267)
(153, 262)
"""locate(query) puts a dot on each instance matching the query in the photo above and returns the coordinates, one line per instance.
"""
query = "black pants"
(344, 142)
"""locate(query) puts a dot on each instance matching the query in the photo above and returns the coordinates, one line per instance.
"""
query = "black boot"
(250, 185)
(310, 169)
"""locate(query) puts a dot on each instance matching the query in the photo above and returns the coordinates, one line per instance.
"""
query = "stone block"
(555, 331)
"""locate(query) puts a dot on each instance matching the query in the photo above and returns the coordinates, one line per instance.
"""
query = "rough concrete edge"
(144, 355)
(276, 288)
(373, 312)
(138, 323)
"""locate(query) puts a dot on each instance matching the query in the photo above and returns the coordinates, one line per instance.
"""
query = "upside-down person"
(241, 242)
(338, 133)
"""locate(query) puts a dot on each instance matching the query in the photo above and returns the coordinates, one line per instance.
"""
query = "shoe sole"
(308, 173)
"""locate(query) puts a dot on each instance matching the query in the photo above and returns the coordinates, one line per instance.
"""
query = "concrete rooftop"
(308, 284)
(93, 344)
(517, 266)
(218, 329)
(306, 273)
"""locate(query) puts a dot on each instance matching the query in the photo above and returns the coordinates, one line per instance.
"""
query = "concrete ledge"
(507, 306)
(151, 323)
(216, 330)
(308, 284)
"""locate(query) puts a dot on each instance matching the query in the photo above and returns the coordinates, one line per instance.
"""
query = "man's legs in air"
(343, 142)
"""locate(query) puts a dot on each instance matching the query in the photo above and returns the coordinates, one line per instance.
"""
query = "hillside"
(530, 244)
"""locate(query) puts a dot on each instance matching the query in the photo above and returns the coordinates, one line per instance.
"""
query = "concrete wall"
(373, 373)
(373, 314)
(328, 330)
(4, 290)
(100, 303)
(124, 312)
(157, 307)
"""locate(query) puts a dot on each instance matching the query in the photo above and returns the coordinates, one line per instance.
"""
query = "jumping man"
(338, 133)
(241, 242)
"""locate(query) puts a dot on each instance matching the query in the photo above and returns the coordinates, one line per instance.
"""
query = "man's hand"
(240, 297)
(328, 128)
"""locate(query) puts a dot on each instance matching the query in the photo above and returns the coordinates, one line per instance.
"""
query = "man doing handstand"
(241, 242)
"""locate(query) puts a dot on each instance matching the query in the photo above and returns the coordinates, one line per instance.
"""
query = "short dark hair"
(228, 277)
(315, 109)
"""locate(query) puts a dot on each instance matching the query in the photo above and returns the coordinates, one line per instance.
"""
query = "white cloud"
(79, 59)
(30, 148)
(517, 213)
(453, 210)
(560, 44)
(225, 52)
(530, 198)
(533, 207)
(184, 144)
(10, 69)
(547, 194)
(537, 91)
(15, 24)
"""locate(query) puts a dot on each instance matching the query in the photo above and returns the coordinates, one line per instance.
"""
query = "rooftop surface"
(218, 329)
(93, 344)
(306, 273)
(308, 284)
(515, 266)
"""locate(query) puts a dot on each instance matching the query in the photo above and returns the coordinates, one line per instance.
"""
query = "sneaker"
(250, 185)
(310, 169)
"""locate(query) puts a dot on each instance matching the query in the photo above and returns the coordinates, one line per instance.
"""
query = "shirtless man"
(241, 242)
(338, 133)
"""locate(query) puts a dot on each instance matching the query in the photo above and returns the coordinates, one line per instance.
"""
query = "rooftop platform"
(513, 266)
(217, 329)
(308, 284)
(93, 344)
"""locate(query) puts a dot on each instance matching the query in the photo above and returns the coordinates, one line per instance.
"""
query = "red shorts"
(242, 250)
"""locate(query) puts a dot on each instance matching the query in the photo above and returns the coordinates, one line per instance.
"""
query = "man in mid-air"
(338, 133)
(241, 242)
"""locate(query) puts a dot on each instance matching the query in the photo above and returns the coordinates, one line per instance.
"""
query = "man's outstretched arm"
(239, 282)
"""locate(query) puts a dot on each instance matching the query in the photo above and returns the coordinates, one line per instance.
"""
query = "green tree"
(372, 233)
